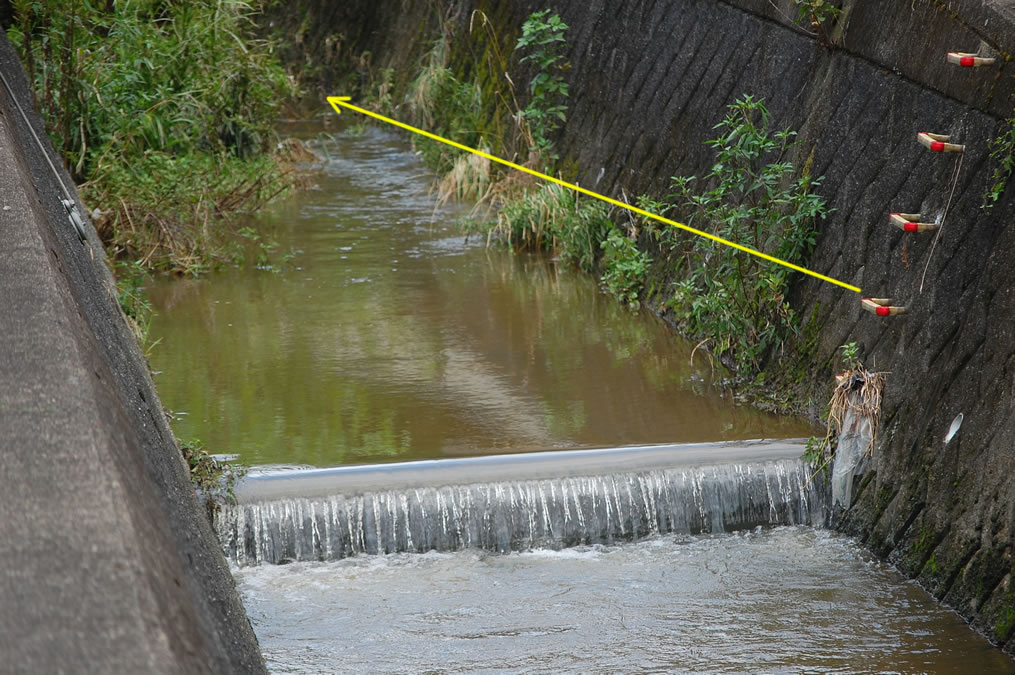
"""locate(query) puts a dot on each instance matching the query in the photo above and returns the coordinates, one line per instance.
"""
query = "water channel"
(390, 337)
(782, 600)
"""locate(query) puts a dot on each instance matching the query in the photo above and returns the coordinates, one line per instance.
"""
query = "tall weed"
(542, 43)
(440, 103)
(735, 300)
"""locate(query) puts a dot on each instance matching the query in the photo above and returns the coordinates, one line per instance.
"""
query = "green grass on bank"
(732, 304)
(163, 112)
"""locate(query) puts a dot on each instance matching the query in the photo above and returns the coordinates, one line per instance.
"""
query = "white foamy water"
(523, 515)
(784, 600)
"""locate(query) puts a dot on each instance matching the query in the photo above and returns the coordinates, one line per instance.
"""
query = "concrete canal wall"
(107, 561)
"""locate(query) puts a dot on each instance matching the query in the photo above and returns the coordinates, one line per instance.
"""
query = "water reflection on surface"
(724, 603)
(393, 337)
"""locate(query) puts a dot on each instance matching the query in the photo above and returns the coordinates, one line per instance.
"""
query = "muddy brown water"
(390, 337)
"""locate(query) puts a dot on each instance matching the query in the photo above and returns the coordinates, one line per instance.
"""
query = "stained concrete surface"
(107, 563)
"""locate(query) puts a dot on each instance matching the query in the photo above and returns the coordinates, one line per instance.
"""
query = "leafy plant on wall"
(1002, 151)
(543, 43)
(734, 300)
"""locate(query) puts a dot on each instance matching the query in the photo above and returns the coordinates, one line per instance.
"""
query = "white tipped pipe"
(968, 60)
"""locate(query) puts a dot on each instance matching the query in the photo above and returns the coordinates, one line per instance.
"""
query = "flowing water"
(518, 515)
(783, 600)
(392, 337)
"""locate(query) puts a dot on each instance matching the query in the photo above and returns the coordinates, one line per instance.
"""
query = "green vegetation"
(734, 300)
(626, 267)
(815, 455)
(820, 16)
(549, 216)
(214, 478)
(850, 355)
(168, 212)
(1005, 625)
(553, 218)
(542, 43)
(440, 103)
(163, 113)
(131, 277)
(379, 92)
(1002, 151)
(580, 232)
(731, 302)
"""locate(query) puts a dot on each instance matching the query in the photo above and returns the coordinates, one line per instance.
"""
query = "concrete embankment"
(648, 81)
(107, 562)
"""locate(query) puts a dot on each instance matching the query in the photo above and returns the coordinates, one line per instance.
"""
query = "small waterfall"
(518, 515)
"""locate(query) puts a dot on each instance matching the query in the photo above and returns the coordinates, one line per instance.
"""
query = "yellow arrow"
(339, 102)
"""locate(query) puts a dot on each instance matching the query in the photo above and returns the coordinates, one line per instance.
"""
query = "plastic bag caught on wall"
(854, 440)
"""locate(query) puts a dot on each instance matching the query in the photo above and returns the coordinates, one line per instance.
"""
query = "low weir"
(519, 502)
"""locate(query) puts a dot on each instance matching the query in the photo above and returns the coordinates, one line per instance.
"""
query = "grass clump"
(163, 112)
(468, 180)
(552, 218)
(734, 300)
(214, 478)
(440, 103)
(580, 232)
